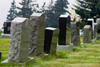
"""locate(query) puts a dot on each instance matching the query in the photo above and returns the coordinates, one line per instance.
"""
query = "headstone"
(51, 37)
(64, 30)
(91, 23)
(95, 30)
(0, 55)
(98, 28)
(7, 26)
(87, 32)
(75, 34)
(37, 33)
(20, 39)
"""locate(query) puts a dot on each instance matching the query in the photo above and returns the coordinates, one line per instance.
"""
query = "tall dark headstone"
(91, 23)
(37, 34)
(98, 28)
(7, 26)
(0, 55)
(64, 26)
(50, 42)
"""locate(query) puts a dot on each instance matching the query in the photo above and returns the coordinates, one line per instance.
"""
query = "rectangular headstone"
(98, 28)
(91, 23)
(75, 35)
(95, 30)
(51, 37)
(37, 33)
(20, 39)
(64, 32)
(7, 26)
(87, 32)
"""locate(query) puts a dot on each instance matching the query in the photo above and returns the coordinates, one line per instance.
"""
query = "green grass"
(86, 55)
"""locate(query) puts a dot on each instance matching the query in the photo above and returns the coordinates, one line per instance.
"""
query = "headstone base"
(5, 35)
(65, 47)
(29, 59)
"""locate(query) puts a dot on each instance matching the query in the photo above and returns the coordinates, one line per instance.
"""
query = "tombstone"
(75, 35)
(20, 40)
(87, 32)
(6, 27)
(0, 55)
(95, 30)
(91, 23)
(37, 34)
(64, 30)
(98, 28)
(51, 37)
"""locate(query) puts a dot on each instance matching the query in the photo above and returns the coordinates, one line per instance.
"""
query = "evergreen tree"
(26, 9)
(54, 11)
(88, 8)
(12, 12)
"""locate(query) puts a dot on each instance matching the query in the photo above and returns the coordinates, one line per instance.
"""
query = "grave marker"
(37, 33)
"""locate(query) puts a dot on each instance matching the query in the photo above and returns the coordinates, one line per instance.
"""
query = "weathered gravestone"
(91, 23)
(87, 32)
(6, 27)
(51, 37)
(64, 30)
(98, 28)
(20, 39)
(95, 30)
(75, 35)
(37, 33)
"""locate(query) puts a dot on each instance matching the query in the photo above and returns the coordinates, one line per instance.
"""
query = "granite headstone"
(64, 30)
(75, 35)
(7, 26)
(87, 32)
(51, 37)
(91, 23)
(20, 39)
(98, 28)
(37, 34)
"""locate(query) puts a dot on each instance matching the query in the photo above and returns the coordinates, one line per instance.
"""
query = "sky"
(6, 4)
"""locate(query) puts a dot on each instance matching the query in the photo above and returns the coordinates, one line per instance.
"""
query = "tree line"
(53, 10)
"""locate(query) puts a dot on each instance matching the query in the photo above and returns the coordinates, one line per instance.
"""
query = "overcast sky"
(6, 4)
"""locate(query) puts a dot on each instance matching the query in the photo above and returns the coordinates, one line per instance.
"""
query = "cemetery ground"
(86, 55)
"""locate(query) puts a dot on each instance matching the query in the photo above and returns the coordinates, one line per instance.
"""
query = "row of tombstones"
(91, 32)
(30, 37)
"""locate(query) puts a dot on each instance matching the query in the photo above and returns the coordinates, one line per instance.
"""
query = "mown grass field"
(86, 55)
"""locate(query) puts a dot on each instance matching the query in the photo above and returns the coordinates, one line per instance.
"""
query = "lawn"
(86, 55)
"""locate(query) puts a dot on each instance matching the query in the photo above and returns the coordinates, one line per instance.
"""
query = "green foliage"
(26, 9)
(12, 12)
(53, 11)
(88, 8)
(1, 32)
(86, 55)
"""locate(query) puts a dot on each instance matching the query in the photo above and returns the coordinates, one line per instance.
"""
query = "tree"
(54, 10)
(12, 12)
(88, 8)
(26, 9)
